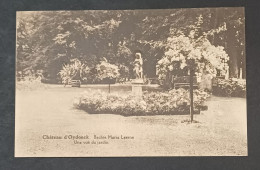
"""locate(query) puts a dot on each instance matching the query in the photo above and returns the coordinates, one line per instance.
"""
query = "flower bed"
(150, 103)
(230, 88)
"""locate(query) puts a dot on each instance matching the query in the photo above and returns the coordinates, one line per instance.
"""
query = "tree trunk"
(244, 66)
(214, 23)
(243, 53)
(233, 52)
(168, 80)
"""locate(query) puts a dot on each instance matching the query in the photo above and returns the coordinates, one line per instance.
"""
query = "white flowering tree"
(193, 53)
(182, 50)
(107, 71)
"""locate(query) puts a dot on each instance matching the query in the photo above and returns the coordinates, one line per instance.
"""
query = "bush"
(230, 88)
(30, 84)
(150, 103)
(75, 70)
(107, 71)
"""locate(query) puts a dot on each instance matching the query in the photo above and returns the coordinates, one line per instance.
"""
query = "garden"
(78, 73)
(102, 53)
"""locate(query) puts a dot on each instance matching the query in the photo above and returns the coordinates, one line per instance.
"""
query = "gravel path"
(221, 130)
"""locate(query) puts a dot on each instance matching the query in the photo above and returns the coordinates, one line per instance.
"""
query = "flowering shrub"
(230, 88)
(102, 72)
(150, 103)
(183, 48)
(70, 70)
(107, 70)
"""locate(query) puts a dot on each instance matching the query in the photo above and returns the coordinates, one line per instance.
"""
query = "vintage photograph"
(131, 83)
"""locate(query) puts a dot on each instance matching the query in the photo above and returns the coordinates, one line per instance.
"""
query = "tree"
(194, 53)
(233, 39)
(57, 37)
(107, 72)
(48, 39)
(182, 49)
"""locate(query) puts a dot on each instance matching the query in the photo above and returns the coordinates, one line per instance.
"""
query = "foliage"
(150, 103)
(70, 71)
(124, 73)
(107, 70)
(230, 88)
(30, 84)
(181, 49)
(48, 39)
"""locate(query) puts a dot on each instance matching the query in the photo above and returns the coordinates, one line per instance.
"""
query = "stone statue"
(138, 66)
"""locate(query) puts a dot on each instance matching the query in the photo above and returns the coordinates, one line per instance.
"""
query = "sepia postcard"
(131, 83)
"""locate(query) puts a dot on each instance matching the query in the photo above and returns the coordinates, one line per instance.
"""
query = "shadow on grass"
(129, 114)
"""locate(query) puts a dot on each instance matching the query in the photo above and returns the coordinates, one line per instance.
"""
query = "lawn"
(49, 111)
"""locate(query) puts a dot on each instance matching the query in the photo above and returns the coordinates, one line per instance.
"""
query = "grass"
(221, 130)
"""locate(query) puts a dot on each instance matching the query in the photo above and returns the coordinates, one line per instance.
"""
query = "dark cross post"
(191, 89)
(109, 82)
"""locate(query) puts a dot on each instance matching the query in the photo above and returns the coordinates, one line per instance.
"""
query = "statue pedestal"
(137, 87)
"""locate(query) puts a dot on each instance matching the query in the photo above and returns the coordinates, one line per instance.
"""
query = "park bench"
(75, 83)
(184, 82)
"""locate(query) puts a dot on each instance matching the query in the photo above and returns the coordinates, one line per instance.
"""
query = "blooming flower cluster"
(207, 57)
(181, 48)
(68, 71)
(150, 103)
(107, 70)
